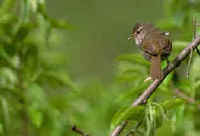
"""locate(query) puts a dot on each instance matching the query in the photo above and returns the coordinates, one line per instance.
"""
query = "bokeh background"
(100, 32)
(69, 62)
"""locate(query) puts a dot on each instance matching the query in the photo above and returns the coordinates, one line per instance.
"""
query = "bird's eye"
(139, 30)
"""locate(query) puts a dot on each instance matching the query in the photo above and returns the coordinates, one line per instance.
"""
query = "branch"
(78, 131)
(119, 128)
(142, 99)
(195, 25)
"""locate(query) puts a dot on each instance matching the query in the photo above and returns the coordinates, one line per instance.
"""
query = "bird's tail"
(155, 71)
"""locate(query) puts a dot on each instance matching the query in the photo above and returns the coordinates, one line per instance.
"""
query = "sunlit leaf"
(7, 5)
(56, 80)
(60, 24)
(36, 117)
(165, 129)
(6, 114)
(8, 78)
(130, 113)
(173, 103)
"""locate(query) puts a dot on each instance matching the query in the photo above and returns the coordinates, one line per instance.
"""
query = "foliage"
(32, 69)
(166, 113)
(38, 97)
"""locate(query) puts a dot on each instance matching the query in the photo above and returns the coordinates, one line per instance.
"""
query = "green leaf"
(128, 96)
(34, 5)
(36, 117)
(31, 63)
(26, 10)
(129, 71)
(6, 6)
(166, 24)
(167, 82)
(130, 113)
(23, 31)
(179, 45)
(35, 95)
(173, 103)
(194, 77)
(56, 79)
(37, 102)
(185, 85)
(60, 24)
(133, 58)
(8, 78)
(6, 114)
(165, 129)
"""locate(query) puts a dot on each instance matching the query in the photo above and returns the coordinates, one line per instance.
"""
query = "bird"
(155, 45)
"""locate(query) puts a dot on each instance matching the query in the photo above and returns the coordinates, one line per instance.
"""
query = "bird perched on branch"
(155, 44)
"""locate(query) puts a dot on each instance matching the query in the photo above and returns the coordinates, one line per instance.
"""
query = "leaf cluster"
(166, 112)
(32, 69)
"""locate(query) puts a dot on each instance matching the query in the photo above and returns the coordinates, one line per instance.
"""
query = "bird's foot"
(147, 79)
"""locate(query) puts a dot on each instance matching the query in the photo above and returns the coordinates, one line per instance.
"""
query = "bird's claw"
(147, 79)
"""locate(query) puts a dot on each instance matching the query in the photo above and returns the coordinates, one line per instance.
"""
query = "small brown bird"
(155, 44)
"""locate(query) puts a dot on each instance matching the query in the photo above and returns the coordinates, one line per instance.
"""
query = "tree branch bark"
(142, 99)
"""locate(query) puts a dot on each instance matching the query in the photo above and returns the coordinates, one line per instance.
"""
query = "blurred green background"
(100, 32)
(65, 63)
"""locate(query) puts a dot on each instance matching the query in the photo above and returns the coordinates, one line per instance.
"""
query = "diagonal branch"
(142, 99)
(78, 131)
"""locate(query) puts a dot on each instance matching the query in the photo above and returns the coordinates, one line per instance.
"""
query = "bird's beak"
(131, 37)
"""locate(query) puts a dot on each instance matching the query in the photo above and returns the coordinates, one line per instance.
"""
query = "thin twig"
(119, 128)
(195, 25)
(78, 131)
(189, 64)
(151, 89)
